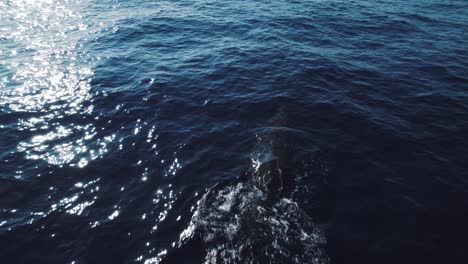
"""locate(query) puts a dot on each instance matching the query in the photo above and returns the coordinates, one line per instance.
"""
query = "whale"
(253, 219)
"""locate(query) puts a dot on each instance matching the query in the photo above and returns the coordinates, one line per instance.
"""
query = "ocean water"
(317, 131)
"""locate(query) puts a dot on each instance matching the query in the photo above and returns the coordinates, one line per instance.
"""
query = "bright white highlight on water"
(48, 77)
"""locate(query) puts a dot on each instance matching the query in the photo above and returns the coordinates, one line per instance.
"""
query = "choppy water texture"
(134, 131)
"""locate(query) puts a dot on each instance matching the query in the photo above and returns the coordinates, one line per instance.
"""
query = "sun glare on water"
(48, 74)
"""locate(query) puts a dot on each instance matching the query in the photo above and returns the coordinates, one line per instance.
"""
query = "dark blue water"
(149, 131)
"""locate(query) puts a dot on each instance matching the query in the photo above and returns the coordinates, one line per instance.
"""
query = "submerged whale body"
(254, 220)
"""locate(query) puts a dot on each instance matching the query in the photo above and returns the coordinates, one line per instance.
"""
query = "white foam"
(237, 226)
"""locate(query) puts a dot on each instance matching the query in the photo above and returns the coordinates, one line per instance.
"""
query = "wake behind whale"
(255, 220)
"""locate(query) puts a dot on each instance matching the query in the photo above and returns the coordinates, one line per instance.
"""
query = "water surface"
(124, 123)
